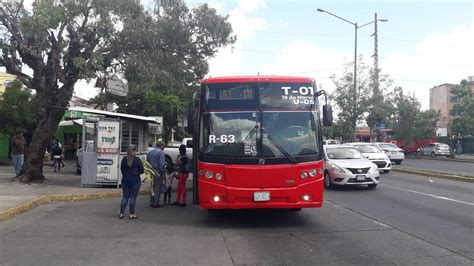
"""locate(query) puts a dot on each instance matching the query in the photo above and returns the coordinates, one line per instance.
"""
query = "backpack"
(189, 167)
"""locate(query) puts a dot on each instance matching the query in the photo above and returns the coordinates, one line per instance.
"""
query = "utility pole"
(376, 57)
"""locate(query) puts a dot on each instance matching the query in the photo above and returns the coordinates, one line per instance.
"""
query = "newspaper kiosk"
(106, 137)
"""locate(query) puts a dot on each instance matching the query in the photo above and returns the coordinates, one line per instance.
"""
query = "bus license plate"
(360, 177)
(261, 196)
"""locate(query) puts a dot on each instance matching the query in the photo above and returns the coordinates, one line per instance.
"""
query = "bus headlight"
(306, 197)
(304, 175)
(209, 174)
(218, 176)
(313, 172)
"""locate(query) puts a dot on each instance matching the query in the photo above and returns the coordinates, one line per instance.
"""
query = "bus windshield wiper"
(249, 135)
(281, 149)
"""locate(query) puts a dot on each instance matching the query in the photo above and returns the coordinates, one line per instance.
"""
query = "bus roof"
(232, 79)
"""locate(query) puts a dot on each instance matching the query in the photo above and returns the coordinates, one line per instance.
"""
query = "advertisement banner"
(107, 170)
(108, 134)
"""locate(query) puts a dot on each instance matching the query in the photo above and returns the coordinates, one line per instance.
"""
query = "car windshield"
(443, 146)
(367, 149)
(259, 120)
(343, 153)
(388, 145)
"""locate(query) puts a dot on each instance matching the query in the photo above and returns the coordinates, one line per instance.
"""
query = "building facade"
(442, 100)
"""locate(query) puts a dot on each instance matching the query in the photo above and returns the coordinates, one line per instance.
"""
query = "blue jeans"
(18, 163)
(57, 164)
(129, 192)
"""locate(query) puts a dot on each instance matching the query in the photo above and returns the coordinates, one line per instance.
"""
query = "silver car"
(395, 154)
(344, 165)
(435, 149)
(374, 154)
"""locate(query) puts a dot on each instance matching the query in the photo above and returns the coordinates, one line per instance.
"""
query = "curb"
(46, 199)
(444, 160)
(435, 174)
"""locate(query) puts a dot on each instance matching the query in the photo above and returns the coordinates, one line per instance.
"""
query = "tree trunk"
(50, 111)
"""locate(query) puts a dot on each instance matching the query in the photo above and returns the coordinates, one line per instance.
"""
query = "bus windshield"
(259, 120)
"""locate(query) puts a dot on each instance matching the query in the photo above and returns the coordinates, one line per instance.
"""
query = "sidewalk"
(16, 197)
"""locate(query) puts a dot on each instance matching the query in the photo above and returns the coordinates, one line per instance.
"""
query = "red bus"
(258, 143)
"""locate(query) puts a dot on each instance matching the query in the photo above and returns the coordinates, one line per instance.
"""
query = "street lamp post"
(356, 27)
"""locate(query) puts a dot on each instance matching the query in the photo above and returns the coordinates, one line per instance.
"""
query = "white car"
(331, 142)
(395, 154)
(374, 154)
(344, 165)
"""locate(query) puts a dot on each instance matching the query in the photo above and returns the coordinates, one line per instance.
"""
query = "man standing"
(458, 148)
(18, 146)
(156, 158)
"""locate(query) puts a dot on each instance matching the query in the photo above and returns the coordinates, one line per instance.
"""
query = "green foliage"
(168, 56)
(148, 102)
(425, 124)
(405, 113)
(379, 107)
(17, 109)
(463, 110)
(339, 130)
(62, 42)
(345, 97)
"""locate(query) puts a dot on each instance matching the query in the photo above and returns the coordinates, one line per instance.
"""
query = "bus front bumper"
(216, 196)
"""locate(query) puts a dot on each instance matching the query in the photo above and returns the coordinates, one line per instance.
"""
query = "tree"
(379, 108)
(406, 111)
(17, 109)
(60, 42)
(168, 53)
(425, 124)
(463, 110)
(351, 104)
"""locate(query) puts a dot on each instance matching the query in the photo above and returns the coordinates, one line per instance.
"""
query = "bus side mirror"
(327, 115)
(191, 121)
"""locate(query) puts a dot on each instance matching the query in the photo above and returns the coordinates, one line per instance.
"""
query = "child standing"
(169, 176)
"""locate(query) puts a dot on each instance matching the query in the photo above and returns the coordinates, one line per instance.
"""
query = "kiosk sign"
(108, 133)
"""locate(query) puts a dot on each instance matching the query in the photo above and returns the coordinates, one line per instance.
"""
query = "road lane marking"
(430, 195)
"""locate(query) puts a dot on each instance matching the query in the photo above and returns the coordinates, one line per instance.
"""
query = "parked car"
(345, 165)
(377, 156)
(435, 149)
(331, 142)
(172, 150)
(395, 154)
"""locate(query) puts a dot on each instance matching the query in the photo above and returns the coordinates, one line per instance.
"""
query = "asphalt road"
(406, 220)
(440, 165)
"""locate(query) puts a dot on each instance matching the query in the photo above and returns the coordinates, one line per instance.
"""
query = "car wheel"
(419, 153)
(386, 171)
(433, 154)
(372, 186)
(327, 180)
(398, 162)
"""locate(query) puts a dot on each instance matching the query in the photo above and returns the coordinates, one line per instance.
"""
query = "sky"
(423, 43)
